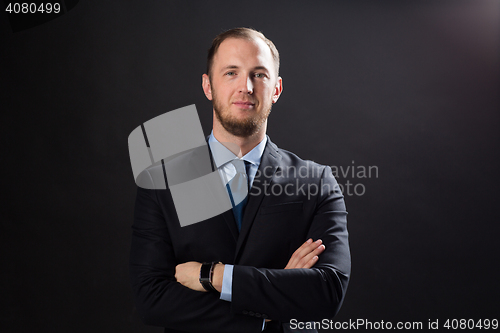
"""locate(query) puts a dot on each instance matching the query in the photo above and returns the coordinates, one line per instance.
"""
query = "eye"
(230, 73)
(260, 75)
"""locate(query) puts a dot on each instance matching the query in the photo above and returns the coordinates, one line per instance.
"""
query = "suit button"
(245, 312)
(264, 316)
(251, 313)
(258, 315)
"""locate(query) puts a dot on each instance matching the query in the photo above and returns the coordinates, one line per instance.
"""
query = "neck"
(240, 146)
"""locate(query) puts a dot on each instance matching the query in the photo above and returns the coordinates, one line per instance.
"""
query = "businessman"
(281, 253)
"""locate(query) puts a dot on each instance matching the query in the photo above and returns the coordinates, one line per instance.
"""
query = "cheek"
(262, 89)
(223, 92)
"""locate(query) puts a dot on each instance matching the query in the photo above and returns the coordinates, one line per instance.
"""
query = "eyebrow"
(228, 67)
(261, 68)
(236, 67)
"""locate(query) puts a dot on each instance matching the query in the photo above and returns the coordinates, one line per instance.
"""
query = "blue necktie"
(238, 189)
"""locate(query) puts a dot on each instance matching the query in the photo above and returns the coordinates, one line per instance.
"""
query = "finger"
(311, 262)
(176, 272)
(304, 245)
(305, 260)
(311, 259)
(296, 255)
(305, 250)
(296, 261)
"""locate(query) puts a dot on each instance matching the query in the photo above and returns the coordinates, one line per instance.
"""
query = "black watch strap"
(206, 273)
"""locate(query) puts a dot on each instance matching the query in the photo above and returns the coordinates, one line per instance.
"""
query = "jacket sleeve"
(160, 299)
(309, 294)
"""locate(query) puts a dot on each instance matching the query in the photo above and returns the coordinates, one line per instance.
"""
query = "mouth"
(244, 104)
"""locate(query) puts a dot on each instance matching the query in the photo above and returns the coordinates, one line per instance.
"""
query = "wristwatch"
(206, 275)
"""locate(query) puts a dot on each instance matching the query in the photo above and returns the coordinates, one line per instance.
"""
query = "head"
(242, 80)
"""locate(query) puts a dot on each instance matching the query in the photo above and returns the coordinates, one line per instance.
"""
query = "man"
(275, 256)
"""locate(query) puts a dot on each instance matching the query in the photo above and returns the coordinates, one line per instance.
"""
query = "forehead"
(243, 53)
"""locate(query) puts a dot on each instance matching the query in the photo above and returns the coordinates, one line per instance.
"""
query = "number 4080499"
(25, 8)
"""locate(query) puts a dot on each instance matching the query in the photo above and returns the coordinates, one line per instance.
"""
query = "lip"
(244, 104)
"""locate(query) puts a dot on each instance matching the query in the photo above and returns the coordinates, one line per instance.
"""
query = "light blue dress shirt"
(222, 159)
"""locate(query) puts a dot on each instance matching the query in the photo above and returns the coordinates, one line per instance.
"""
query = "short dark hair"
(242, 33)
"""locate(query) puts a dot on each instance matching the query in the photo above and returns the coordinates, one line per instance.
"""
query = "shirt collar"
(222, 155)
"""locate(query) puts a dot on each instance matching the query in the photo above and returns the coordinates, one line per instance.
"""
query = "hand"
(188, 274)
(306, 255)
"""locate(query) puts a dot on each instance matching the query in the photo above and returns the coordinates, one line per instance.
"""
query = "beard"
(240, 127)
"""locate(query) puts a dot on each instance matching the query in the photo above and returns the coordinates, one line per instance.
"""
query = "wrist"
(209, 279)
(218, 275)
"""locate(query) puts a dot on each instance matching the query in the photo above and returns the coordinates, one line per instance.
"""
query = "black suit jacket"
(274, 225)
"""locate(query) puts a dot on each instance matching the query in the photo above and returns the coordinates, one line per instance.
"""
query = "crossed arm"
(188, 273)
(313, 282)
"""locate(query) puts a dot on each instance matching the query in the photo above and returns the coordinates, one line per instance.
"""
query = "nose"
(246, 85)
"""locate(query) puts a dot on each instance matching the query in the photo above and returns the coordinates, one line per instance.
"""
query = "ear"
(207, 88)
(278, 89)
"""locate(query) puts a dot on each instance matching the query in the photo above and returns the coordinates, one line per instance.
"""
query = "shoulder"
(291, 162)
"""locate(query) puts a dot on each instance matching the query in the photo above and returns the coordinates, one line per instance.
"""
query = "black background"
(411, 87)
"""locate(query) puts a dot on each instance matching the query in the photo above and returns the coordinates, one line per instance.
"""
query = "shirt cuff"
(227, 283)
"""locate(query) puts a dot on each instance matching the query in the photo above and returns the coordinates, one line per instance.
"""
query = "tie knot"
(241, 165)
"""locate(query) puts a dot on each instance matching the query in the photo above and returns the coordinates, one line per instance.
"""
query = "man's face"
(243, 85)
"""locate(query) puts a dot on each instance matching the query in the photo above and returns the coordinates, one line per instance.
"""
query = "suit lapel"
(268, 166)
